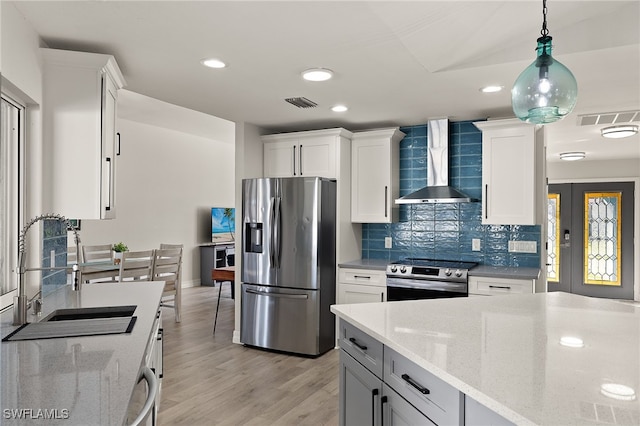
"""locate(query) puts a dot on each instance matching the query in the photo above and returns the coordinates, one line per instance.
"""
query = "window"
(11, 186)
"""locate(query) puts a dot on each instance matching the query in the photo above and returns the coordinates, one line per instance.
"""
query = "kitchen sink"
(90, 313)
(76, 322)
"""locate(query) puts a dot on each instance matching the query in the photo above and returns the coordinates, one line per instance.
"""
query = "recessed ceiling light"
(571, 342)
(572, 156)
(317, 74)
(213, 63)
(621, 131)
(617, 391)
(339, 108)
(491, 89)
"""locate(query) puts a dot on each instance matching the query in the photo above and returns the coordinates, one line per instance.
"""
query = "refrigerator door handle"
(281, 295)
(276, 227)
(273, 231)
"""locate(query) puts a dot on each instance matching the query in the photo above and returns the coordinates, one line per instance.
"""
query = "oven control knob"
(403, 269)
(458, 273)
(394, 268)
(447, 272)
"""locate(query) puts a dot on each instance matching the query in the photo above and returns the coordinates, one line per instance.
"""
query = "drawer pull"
(362, 277)
(504, 287)
(416, 385)
(355, 342)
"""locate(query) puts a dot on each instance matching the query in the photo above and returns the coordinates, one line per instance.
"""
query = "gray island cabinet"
(529, 359)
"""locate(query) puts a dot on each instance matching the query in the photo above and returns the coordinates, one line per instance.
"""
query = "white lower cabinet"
(488, 286)
(361, 286)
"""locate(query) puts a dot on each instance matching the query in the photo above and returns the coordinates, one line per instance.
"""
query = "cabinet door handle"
(383, 401)
(504, 287)
(374, 395)
(386, 201)
(415, 384)
(486, 201)
(300, 155)
(108, 206)
(294, 160)
(362, 277)
(359, 345)
(118, 146)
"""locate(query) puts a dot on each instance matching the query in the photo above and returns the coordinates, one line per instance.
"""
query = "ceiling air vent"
(302, 102)
(609, 118)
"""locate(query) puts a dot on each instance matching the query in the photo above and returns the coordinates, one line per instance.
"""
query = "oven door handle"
(433, 285)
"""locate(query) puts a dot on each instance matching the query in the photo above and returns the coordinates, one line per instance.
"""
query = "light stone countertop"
(505, 272)
(370, 264)
(506, 353)
(91, 377)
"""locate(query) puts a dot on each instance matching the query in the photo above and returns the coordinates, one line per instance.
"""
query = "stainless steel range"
(418, 278)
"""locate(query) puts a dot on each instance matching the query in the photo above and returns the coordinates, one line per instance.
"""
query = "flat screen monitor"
(223, 225)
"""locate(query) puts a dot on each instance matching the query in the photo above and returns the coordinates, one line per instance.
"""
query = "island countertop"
(546, 359)
(79, 380)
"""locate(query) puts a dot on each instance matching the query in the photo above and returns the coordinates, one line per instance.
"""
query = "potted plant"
(118, 249)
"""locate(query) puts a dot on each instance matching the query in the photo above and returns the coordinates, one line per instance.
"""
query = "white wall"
(22, 79)
(167, 182)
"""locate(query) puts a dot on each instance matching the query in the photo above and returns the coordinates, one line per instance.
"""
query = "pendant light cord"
(544, 31)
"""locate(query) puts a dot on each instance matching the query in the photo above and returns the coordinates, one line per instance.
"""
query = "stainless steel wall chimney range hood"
(437, 189)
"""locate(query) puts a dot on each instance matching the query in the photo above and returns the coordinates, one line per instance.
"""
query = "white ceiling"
(395, 63)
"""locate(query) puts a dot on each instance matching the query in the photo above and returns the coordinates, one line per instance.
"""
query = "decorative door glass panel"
(553, 238)
(602, 238)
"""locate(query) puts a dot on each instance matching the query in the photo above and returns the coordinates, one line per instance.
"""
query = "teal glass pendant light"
(546, 90)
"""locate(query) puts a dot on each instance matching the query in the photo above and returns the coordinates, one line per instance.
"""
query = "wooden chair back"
(167, 267)
(136, 265)
(97, 253)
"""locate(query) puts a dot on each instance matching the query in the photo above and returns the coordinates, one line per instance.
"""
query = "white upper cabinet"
(375, 175)
(310, 153)
(513, 173)
(80, 92)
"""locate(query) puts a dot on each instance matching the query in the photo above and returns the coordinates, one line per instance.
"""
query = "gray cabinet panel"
(360, 393)
(398, 412)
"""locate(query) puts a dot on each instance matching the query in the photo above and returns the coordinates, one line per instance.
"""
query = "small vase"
(117, 257)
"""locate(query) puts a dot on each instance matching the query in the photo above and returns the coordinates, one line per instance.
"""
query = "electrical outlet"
(523, 247)
(388, 242)
(475, 244)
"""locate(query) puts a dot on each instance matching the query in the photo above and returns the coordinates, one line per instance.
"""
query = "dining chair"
(167, 267)
(96, 253)
(136, 265)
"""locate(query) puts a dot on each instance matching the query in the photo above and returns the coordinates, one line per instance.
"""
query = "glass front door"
(590, 239)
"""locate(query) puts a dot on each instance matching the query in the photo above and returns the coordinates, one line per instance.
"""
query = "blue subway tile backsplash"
(445, 231)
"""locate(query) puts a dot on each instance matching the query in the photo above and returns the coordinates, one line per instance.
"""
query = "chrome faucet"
(20, 301)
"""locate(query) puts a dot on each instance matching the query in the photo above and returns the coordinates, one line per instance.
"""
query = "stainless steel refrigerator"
(288, 264)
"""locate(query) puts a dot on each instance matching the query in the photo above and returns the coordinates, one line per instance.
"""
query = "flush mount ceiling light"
(571, 342)
(616, 132)
(546, 90)
(491, 89)
(213, 63)
(339, 108)
(572, 156)
(317, 74)
(617, 391)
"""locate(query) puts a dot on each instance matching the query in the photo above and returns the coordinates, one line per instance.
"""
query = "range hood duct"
(437, 189)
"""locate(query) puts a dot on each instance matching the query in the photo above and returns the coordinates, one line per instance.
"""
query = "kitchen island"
(78, 380)
(547, 359)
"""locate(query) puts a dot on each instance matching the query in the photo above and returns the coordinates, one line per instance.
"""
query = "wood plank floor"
(208, 380)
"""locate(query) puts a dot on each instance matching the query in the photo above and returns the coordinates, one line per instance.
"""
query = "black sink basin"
(90, 313)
